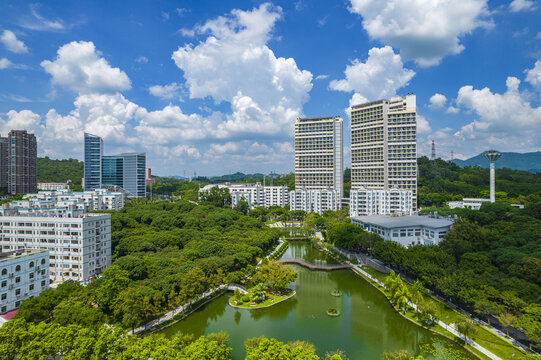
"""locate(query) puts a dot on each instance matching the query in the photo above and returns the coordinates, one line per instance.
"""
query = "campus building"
(384, 145)
(92, 166)
(52, 186)
(23, 274)
(319, 154)
(364, 202)
(256, 195)
(316, 201)
(79, 247)
(126, 171)
(406, 230)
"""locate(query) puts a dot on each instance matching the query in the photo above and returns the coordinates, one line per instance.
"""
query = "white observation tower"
(492, 156)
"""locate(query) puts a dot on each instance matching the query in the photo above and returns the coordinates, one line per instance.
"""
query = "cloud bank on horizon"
(222, 92)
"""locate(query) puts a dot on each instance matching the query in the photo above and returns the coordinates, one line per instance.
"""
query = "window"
(31, 287)
(42, 261)
(4, 296)
(17, 279)
(42, 283)
(4, 309)
(4, 271)
(31, 264)
(4, 283)
(18, 268)
(31, 275)
(18, 292)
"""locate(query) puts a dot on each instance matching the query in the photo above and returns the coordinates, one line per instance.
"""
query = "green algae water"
(367, 325)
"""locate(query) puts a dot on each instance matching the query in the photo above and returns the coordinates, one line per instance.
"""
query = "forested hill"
(440, 181)
(528, 161)
(50, 170)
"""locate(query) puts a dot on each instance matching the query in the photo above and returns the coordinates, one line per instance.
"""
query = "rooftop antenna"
(433, 155)
(492, 156)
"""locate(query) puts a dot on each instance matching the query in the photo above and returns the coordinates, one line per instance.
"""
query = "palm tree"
(417, 291)
(507, 319)
(401, 296)
(466, 326)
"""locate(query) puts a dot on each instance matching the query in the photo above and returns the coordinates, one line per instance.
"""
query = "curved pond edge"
(262, 307)
(413, 321)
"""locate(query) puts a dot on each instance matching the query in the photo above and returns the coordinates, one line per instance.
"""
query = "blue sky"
(215, 86)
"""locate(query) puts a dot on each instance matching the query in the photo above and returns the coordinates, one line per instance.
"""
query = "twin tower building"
(383, 160)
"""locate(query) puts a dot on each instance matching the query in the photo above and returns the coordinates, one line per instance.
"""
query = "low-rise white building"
(364, 202)
(254, 194)
(79, 247)
(468, 203)
(98, 199)
(314, 200)
(52, 186)
(406, 230)
(23, 274)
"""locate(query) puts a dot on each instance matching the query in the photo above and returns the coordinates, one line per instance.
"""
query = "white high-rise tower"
(492, 156)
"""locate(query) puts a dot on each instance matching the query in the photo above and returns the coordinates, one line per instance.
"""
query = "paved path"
(448, 327)
(316, 267)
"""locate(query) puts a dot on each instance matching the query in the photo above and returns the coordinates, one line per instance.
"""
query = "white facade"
(79, 247)
(23, 274)
(98, 199)
(384, 145)
(256, 195)
(406, 230)
(52, 186)
(468, 203)
(364, 202)
(319, 154)
(314, 200)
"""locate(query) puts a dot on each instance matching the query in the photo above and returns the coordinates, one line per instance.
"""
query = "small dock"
(316, 267)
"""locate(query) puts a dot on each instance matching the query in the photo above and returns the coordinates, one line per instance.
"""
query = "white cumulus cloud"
(437, 102)
(235, 65)
(167, 92)
(79, 67)
(5, 63)
(378, 77)
(521, 5)
(11, 42)
(423, 30)
(533, 76)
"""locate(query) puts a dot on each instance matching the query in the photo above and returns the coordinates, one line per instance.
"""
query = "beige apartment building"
(319, 154)
(384, 145)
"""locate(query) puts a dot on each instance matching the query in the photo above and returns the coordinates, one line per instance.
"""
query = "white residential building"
(98, 199)
(79, 247)
(319, 154)
(314, 200)
(23, 274)
(256, 195)
(364, 202)
(384, 145)
(406, 230)
(52, 186)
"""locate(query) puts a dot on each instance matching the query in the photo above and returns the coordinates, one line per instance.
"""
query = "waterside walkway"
(316, 267)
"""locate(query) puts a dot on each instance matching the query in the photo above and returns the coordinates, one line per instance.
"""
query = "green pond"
(366, 328)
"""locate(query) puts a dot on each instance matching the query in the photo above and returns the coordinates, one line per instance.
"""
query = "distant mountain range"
(528, 161)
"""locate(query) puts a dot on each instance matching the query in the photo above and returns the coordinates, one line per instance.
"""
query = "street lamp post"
(446, 323)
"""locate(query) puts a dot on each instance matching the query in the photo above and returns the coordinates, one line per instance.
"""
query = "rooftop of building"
(124, 154)
(376, 102)
(69, 216)
(4, 255)
(318, 118)
(404, 221)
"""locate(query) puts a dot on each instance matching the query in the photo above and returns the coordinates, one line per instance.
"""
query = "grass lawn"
(483, 337)
(271, 299)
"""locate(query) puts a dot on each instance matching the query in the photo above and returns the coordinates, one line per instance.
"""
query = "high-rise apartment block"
(384, 145)
(19, 163)
(318, 154)
(126, 171)
(92, 166)
(4, 162)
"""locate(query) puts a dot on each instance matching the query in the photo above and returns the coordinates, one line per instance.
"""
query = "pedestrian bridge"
(316, 267)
